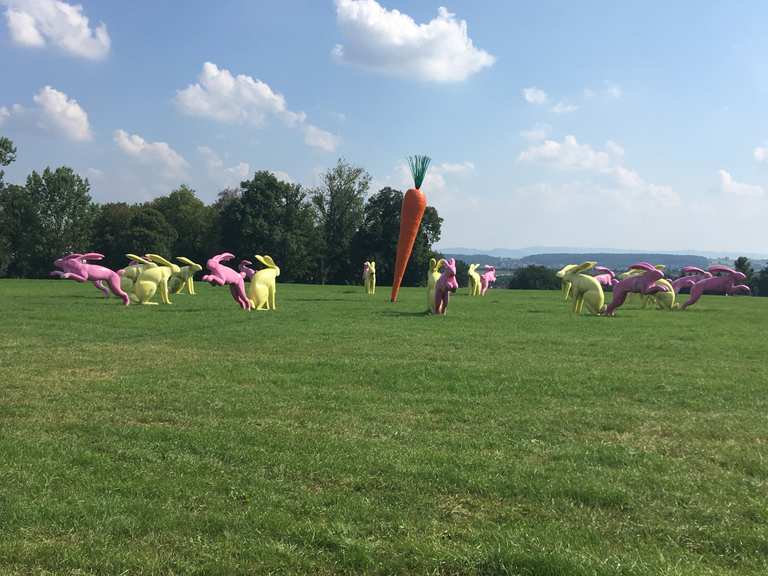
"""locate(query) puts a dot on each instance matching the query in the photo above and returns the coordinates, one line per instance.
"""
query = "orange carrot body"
(411, 212)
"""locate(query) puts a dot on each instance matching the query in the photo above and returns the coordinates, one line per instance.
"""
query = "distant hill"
(518, 253)
(617, 262)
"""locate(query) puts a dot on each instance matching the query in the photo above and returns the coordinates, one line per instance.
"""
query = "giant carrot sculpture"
(411, 211)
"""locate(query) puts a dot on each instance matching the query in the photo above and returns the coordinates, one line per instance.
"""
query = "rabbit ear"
(440, 263)
(73, 255)
(246, 263)
(224, 257)
(578, 268)
(186, 261)
(266, 260)
(159, 260)
(432, 264)
(93, 256)
(643, 266)
(138, 259)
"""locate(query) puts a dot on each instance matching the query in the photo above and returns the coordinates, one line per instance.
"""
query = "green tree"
(743, 265)
(112, 232)
(339, 202)
(534, 278)
(269, 216)
(7, 155)
(63, 217)
(19, 223)
(192, 220)
(761, 282)
(149, 232)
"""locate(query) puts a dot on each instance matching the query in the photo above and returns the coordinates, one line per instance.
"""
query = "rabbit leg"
(144, 291)
(272, 293)
(115, 285)
(191, 285)
(164, 296)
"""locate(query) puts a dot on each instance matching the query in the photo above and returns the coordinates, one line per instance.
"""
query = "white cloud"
(283, 176)
(227, 98)
(223, 175)
(729, 186)
(564, 108)
(610, 90)
(391, 42)
(242, 99)
(37, 23)
(4, 114)
(95, 173)
(152, 153)
(613, 91)
(317, 138)
(535, 95)
(64, 114)
(538, 132)
(570, 155)
(761, 154)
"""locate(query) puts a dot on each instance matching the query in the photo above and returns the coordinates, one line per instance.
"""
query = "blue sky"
(637, 125)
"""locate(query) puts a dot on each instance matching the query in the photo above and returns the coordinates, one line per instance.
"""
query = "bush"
(534, 278)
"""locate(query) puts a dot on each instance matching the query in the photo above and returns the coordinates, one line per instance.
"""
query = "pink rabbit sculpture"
(605, 276)
(642, 283)
(725, 283)
(221, 275)
(63, 264)
(446, 284)
(245, 269)
(486, 278)
(76, 267)
(692, 275)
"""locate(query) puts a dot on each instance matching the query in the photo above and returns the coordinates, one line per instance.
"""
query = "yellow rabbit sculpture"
(474, 280)
(583, 289)
(155, 276)
(263, 286)
(185, 278)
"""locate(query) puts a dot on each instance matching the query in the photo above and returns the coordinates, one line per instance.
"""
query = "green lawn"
(345, 434)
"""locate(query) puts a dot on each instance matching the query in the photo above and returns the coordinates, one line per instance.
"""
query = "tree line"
(316, 235)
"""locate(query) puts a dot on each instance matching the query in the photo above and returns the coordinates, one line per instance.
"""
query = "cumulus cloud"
(761, 154)
(729, 186)
(534, 95)
(152, 153)
(63, 114)
(564, 108)
(223, 175)
(570, 155)
(317, 138)
(610, 90)
(220, 95)
(39, 23)
(391, 42)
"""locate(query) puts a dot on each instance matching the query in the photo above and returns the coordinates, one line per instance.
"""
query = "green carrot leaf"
(419, 165)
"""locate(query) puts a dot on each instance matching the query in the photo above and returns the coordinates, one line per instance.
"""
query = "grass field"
(345, 434)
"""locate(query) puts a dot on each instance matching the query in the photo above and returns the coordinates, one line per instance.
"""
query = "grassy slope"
(344, 434)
